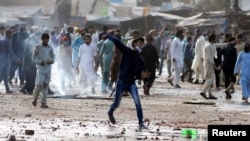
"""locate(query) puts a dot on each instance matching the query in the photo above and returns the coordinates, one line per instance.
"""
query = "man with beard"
(5, 53)
(150, 55)
(176, 58)
(85, 65)
(29, 66)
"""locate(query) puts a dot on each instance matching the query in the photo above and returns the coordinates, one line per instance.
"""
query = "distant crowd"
(198, 57)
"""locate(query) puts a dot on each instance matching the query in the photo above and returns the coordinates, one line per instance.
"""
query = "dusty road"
(165, 113)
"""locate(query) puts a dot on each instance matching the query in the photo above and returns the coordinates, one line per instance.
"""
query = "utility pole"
(236, 13)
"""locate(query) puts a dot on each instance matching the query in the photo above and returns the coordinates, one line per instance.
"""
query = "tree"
(211, 5)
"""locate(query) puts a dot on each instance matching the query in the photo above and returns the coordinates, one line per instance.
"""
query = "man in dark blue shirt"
(5, 53)
(188, 59)
(131, 68)
(18, 44)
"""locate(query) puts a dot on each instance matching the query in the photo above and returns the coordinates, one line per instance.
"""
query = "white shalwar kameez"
(176, 52)
(86, 66)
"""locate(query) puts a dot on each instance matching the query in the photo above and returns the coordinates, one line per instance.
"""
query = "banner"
(142, 11)
(104, 11)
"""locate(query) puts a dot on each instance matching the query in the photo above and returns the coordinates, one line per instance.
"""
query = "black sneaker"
(212, 97)
(203, 95)
(111, 118)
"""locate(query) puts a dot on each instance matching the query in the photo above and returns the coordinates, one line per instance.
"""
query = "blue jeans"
(121, 86)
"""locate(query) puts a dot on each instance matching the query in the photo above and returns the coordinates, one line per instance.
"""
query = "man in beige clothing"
(209, 52)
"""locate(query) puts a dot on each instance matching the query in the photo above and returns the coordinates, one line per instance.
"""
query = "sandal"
(44, 106)
(212, 97)
(232, 91)
(34, 103)
(228, 96)
(203, 95)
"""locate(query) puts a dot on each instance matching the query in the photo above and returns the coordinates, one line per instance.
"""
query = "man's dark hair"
(228, 35)
(118, 30)
(135, 32)
(212, 37)
(231, 39)
(87, 36)
(239, 36)
(179, 33)
(149, 38)
(45, 36)
(118, 35)
(8, 32)
(136, 40)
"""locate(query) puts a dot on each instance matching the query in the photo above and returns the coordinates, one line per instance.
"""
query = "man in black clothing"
(150, 55)
(217, 70)
(104, 32)
(228, 64)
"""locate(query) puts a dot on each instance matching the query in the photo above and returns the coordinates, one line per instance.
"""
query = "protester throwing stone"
(131, 68)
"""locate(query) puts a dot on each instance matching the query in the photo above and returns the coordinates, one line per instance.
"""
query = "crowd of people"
(203, 58)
